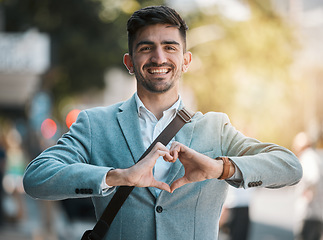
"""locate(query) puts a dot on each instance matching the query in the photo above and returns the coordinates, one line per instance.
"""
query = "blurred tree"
(242, 68)
(87, 37)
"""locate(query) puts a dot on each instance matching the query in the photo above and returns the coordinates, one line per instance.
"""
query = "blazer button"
(159, 209)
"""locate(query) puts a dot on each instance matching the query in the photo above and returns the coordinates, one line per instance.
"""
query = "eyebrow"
(166, 42)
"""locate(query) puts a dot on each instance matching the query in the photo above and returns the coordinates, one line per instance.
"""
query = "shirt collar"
(141, 107)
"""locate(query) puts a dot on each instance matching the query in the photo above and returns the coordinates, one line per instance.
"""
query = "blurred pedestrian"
(12, 182)
(179, 188)
(236, 219)
(2, 172)
(309, 190)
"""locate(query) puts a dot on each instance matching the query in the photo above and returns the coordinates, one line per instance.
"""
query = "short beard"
(153, 89)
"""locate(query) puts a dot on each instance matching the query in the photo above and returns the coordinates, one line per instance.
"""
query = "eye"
(145, 49)
(170, 48)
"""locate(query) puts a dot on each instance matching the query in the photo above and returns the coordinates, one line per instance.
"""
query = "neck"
(158, 102)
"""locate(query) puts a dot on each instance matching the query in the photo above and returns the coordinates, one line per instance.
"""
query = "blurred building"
(24, 57)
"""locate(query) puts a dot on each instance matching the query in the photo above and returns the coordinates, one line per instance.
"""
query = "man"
(178, 194)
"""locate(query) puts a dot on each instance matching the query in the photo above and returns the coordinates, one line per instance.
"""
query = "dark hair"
(154, 15)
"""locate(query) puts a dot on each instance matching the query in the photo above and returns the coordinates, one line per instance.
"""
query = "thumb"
(178, 183)
(161, 185)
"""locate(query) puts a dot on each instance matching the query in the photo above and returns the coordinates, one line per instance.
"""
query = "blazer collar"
(129, 124)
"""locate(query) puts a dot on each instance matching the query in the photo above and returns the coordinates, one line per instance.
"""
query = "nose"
(158, 56)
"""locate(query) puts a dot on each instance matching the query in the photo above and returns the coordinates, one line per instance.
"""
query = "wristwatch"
(226, 167)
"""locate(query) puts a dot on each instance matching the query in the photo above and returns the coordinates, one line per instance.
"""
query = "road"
(272, 212)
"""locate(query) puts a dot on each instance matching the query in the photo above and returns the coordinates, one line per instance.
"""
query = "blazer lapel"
(129, 124)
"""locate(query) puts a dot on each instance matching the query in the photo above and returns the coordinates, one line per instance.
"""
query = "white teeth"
(158, 71)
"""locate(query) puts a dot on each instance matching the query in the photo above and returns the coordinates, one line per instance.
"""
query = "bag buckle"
(184, 115)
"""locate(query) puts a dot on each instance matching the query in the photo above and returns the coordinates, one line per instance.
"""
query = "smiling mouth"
(158, 71)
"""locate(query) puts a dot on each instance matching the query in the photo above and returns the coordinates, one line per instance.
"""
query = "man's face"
(158, 58)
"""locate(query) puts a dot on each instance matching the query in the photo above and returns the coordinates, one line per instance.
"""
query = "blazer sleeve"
(261, 164)
(64, 170)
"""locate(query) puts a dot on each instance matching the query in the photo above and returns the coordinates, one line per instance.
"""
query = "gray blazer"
(109, 137)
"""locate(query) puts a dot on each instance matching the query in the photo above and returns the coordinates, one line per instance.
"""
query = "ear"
(127, 61)
(187, 61)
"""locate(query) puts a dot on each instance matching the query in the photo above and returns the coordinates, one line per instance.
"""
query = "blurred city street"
(272, 213)
(259, 62)
(44, 220)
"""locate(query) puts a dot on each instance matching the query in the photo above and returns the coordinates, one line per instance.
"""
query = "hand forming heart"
(198, 167)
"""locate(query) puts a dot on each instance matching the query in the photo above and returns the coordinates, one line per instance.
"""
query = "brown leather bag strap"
(100, 229)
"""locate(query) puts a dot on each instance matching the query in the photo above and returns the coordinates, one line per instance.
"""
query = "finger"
(156, 153)
(164, 154)
(174, 150)
(174, 145)
(150, 160)
(160, 150)
(174, 153)
(161, 185)
(160, 146)
(178, 183)
(169, 158)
